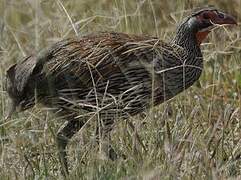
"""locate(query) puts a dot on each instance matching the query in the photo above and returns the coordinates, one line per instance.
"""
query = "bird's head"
(202, 21)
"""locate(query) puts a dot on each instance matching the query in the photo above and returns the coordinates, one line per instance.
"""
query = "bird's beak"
(224, 19)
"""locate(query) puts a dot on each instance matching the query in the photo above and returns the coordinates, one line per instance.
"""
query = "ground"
(196, 135)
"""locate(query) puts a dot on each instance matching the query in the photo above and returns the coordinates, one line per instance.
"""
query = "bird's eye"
(221, 15)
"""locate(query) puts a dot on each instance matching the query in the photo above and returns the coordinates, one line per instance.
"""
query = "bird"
(109, 76)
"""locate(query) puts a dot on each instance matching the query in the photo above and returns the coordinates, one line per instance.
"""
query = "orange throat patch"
(201, 36)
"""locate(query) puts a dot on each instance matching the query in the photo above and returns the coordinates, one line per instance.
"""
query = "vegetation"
(193, 136)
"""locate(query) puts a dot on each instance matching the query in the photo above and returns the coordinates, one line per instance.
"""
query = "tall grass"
(193, 136)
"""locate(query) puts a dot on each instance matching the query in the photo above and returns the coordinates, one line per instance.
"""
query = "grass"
(196, 135)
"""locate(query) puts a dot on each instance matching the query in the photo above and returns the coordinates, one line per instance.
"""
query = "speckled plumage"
(114, 72)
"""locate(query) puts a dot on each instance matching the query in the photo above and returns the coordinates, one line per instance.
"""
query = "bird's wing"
(109, 64)
(94, 58)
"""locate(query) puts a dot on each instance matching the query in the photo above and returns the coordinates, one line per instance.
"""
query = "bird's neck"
(187, 39)
(192, 59)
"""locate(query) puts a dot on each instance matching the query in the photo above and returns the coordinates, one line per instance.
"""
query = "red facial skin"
(214, 17)
(201, 36)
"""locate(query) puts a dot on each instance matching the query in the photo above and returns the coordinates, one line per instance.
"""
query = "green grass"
(196, 135)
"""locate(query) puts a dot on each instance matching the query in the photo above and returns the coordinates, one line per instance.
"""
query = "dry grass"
(194, 136)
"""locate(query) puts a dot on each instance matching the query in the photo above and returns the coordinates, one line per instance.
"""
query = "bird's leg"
(64, 134)
(103, 140)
